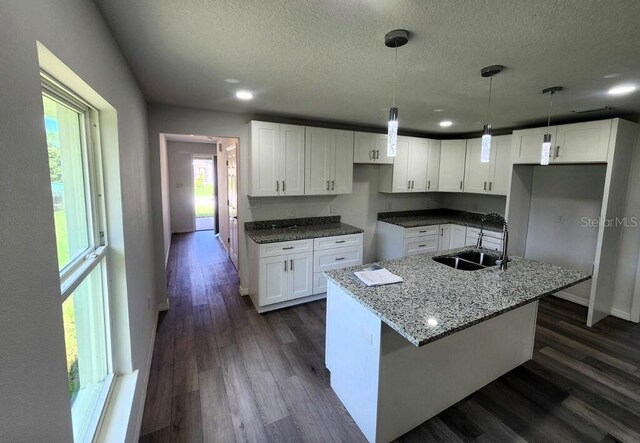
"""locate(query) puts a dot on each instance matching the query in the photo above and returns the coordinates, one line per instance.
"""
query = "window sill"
(116, 418)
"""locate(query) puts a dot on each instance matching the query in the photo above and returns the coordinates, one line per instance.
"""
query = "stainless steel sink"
(473, 260)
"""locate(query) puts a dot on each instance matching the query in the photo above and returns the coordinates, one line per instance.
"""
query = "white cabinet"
(328, 161)
(411, 170)
(451, 237)
(394, 241)
(335, 252)
(452, 159)
(490, 239)
(586, 142)
(490, 177)
(276, 159)
(281, 272)
(371, 148)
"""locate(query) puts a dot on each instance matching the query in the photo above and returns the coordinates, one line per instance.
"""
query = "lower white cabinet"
(452, 236)
(287, 273)
(395, 241)
(490, 239)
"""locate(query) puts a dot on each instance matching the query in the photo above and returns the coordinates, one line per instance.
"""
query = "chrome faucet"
(496, 218)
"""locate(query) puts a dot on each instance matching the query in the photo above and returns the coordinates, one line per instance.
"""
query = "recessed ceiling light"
(244, 95)
(446, 123)
(612, 75)
(438, 110)
(622, 90)
(232, 80)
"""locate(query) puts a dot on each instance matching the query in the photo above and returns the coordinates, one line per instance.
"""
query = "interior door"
(232, 198)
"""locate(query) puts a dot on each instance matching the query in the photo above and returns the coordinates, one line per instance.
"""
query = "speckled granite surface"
(429, 217)
(272, 231)
(455, 299)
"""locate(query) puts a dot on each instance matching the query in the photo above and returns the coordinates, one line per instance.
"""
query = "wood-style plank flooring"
(223, 373)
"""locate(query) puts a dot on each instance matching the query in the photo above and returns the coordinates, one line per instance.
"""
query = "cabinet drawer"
(337, 258)
(288, 247)
(337, 241)
(474, 232)
(487, 242)
(420, 245)
(421, 231)
(319, 283)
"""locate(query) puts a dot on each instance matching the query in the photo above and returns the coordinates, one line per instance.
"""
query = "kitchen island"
(400, 354)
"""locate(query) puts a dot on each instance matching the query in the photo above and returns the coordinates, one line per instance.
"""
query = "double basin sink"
(472, 260)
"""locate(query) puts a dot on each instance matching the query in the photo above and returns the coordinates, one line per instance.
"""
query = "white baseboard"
(163, 306)
(244, 291)
(572, 298)
(145, 379)
(621, 314)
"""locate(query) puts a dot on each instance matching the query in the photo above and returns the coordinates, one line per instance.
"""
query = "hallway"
(221, 372)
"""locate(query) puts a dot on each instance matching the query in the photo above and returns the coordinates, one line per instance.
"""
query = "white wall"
(165, 201)
(223, 208)
(33, 378)
(561, 196)
(180, 156)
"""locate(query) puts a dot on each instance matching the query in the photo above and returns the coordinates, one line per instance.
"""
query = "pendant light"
(546, 140)
(394, 39)
(485, 151)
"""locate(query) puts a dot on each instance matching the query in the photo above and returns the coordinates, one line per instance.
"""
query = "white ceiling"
(326, 59)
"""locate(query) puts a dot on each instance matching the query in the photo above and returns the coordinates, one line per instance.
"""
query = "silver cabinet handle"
(490, 183)
(412, 184)
(333, 185)
(408, 184)
(557, 151)
(287, 247)
(377, 154)
(372, 155)
(283, 186)
(339, 258)
(285, 266)
(420, 232)
(428, 184)
(441, 232)
(485, 186)
(277, 186)
(460, 184)
(340, 241)
(421, 246)
(291, 267)
(327, 185)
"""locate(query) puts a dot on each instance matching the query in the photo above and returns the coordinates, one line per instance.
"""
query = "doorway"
(204, 193)
(232, 202)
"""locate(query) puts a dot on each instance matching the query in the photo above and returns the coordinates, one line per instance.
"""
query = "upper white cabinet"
(371, 149)
(276, 159)
(433, 165)
(491, 177)
(452, 159)
(586, 142)
(328, 161)
(410, 170)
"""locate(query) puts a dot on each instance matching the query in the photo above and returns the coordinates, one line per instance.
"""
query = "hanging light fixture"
(394, 39)
(485, 152)
(546, 140)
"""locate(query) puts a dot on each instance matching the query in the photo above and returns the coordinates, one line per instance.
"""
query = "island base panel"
(390, 386)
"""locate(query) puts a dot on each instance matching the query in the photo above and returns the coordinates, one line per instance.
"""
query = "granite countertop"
(272, 231)
(452, 299)
(429, 217)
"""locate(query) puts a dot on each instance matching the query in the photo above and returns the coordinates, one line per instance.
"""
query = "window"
(78, 209)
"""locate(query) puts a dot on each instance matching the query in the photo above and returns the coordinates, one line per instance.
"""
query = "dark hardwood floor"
(222, 373)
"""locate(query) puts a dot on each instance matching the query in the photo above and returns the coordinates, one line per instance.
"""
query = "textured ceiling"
(326, 60)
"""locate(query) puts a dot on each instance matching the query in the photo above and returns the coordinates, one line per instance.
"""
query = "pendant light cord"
(489, 101)
(550, 106)
(395, 76)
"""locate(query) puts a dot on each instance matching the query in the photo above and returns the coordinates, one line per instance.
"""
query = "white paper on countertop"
(378, 277)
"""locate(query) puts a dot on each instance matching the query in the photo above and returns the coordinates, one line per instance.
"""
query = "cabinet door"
(265, 159)
(420, 245)
(401, 166)
(274, 281)
(444, 238)
(318, 172)
(500, 164)
(458, 236)
(292, 161)
(452, 158)
(526, 144)
(363, 148)
(433, 165)
(342, 162)
(583, 142)
(418, 158)
(380, 147)
(476, 173)
(300, 275)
